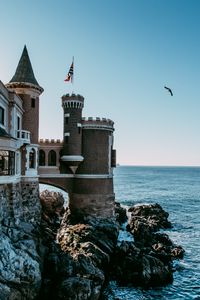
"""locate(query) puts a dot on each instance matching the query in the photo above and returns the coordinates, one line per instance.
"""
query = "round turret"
(26, 86)
(97, 143)
(72, 135)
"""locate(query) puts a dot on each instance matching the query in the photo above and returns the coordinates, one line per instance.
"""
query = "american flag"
(70, 74)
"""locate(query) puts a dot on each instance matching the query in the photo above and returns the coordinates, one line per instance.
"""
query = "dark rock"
(74, 288)
(131, 265)
(74, 269)
(148, 260)
(177, 252)
(145, 220)
(120, 213)
(52, 205)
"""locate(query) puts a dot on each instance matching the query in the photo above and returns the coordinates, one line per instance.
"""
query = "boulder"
(120, 213)
(148, 260)
(132, 265)
(145, 220)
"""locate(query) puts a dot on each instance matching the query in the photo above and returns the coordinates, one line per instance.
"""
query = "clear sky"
(125, 52)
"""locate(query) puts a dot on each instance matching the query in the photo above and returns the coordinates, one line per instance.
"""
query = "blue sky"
(125, 52)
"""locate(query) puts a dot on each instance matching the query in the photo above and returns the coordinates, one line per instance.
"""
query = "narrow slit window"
(33, 102)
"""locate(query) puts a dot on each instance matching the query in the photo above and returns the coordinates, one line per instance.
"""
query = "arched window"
(41, 158)
(52, 158)
(32, 159)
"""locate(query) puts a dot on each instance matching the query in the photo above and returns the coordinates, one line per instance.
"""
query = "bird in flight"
(168, 90)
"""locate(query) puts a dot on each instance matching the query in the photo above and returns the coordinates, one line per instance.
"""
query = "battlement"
(97, 123)
(50, 141)
(73, 101)
(73, 96)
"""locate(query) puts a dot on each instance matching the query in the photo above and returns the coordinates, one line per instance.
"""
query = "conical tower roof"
(24, 72)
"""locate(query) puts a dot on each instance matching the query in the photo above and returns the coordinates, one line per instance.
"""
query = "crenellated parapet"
(97, 123)
(73, 101)
(49, 155)
(50, 141)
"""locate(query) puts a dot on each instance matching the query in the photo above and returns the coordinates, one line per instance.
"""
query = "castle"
(82, 164)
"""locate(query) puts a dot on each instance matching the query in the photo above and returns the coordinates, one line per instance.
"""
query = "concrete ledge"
(56, 175)
(93, 176)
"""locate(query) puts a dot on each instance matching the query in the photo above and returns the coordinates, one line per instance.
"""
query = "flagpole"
(70, 75)
(73, 74)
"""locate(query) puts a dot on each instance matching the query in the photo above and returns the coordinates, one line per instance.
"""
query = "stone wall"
(20, 202)
(95, 205)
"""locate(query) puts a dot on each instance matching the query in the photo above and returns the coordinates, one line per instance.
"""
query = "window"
(79, 130)
(66, 120)
(2, 115)
(41, 158)
(52, 158)
(7, 163)
(66, 139)
(32, 159)
(18, 126)
(32, 102)
(18, 123)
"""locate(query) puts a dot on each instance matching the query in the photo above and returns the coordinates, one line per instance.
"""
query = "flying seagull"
(168, 90)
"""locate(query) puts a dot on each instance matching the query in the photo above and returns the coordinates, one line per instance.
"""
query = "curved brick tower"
(72, 135)
(26, 86)
(93, 183)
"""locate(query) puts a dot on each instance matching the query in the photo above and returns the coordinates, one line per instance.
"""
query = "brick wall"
(30, 120)
(101, 206)
(73, 147)
(95, 149)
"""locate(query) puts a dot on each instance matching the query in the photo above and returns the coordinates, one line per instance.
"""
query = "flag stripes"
(70, 74)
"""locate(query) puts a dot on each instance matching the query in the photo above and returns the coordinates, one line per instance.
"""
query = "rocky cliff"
(20, 252)
(47, 253)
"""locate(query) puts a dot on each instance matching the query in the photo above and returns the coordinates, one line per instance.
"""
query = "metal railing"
(24, 135)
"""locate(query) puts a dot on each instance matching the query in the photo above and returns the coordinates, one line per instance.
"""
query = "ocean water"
(177, 190)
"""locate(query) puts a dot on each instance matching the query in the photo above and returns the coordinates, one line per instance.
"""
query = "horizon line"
(170, 166)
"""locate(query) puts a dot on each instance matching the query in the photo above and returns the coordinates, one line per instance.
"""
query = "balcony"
(24, 136)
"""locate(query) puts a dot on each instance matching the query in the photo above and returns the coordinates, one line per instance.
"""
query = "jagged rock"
(148, 260)
(131, 265)
(19, 268)
(52, 204)
(80, 258)
(21, 255)
(145, 220)
(177, 252)
(75, 289)
(120, 213)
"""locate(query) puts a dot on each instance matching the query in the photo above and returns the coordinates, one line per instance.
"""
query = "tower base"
(96, 205)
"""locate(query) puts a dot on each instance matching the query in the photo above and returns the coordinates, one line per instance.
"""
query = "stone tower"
(72, 131)
(26, 86)
(93, 192)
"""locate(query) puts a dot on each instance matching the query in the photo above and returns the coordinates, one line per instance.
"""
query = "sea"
(177, 190)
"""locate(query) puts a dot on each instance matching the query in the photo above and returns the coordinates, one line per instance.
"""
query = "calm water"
(177, 190)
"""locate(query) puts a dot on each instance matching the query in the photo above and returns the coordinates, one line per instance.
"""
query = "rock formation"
(64, 256)
(20, 251)
(148, 260)
(76, 261)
